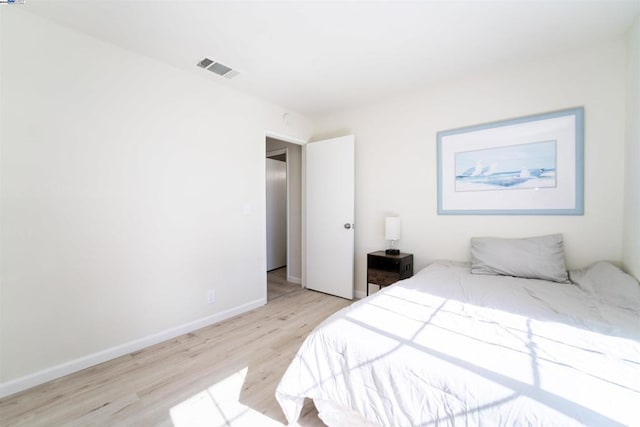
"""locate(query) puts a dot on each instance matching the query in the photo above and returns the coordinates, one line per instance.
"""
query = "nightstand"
(384, 270)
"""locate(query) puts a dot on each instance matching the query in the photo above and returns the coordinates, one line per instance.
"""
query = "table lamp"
(392, 233)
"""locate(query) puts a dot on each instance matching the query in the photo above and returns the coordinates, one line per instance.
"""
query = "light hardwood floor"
(224, 374)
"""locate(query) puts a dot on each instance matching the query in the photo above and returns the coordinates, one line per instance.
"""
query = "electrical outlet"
(211, 296)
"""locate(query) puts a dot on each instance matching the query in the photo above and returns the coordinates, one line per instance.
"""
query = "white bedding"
(448, 347)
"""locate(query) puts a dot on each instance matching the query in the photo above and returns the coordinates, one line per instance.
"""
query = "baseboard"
(293, 279)
(41, 377)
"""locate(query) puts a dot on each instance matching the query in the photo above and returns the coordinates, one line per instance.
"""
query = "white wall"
(294, 229)
(120, 207)
(396, 156)
(632, 178)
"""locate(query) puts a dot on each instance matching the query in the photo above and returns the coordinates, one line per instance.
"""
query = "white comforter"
(447, 347)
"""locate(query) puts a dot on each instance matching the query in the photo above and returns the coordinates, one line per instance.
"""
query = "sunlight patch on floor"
(218, 406)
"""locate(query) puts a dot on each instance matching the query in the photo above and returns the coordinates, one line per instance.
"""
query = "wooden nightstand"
(384, 270)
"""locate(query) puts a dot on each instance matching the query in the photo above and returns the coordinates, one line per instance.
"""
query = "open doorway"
(284, 217)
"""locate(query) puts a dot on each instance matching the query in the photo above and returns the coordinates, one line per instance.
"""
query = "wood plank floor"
(221, 375)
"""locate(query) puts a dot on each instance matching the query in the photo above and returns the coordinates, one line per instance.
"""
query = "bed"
(448, 347)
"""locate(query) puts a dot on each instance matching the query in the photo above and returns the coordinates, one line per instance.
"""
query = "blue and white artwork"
(531, 165)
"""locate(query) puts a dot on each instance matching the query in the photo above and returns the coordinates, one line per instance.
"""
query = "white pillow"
(608, 283)
(531, 258)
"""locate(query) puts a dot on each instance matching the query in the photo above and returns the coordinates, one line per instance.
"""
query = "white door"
(276, 214)
(329, 216)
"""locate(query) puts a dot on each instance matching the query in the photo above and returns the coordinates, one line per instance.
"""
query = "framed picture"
(530, 165)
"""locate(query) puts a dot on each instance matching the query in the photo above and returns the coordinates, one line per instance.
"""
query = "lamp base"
(392, 252)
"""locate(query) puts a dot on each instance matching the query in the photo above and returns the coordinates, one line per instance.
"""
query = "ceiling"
(314, 57)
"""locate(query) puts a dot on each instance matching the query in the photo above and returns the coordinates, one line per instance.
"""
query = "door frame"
(301, 143)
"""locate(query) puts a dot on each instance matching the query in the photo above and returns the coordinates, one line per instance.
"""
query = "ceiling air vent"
(217, 68)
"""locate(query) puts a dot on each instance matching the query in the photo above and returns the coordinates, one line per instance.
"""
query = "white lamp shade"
(392, 228)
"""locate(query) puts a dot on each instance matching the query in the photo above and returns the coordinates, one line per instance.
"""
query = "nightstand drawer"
(384, 263)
